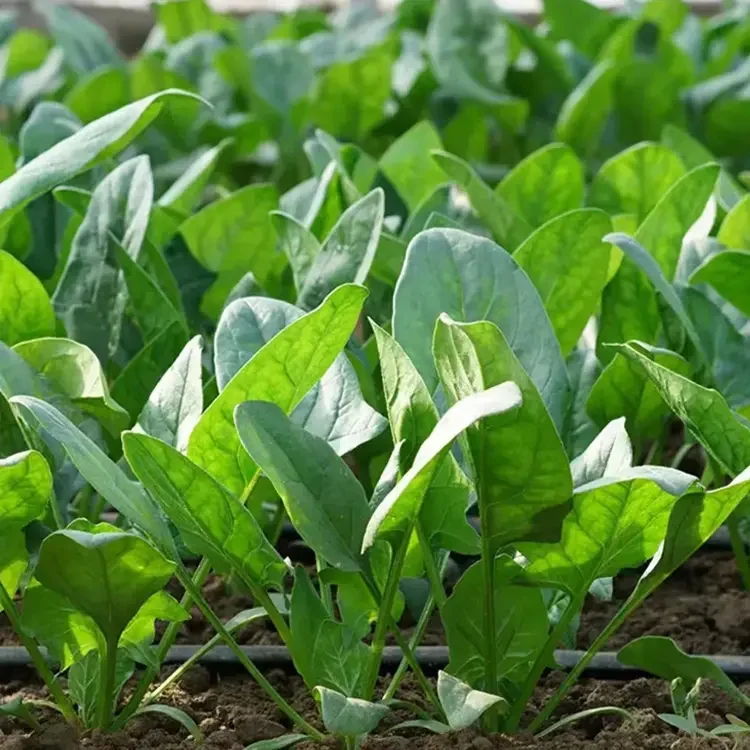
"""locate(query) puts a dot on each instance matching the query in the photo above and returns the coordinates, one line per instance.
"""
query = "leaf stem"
(434, 572)
(255, 673)
(325, 588)
(66, 707)
(107, 677)
(739, 549)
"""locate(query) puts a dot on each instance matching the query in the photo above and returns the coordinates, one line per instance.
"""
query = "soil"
(233, 713)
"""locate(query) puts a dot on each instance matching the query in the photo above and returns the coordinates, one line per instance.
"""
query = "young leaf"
(609, 455)
(726, 272)
(471, 278)
(25, 309)
(334, 408)
(84, 682)
(525, 490)
(399, 509)
(662, 657)
(282, 372)
(348, 252)
(99, 93)
(91, 145)
(211, 522)
(177, 715)
(547, 183)
(349, 717)
(568, 261)
(463, 705)
(175, 405)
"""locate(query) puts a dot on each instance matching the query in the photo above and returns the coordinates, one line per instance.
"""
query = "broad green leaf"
(396, 514)
(175, 405)
(567, 261)
(409, 167)
(349, 717)
(322, 497)
(507, 227)
(617, 522)
(348, 251)
(99, 93)
(547, 183)
(609, 455)
(723, 434)
(181, 19)
(14, 559)
(526, 487)
(93, 144)
(624, 390)
(106, 576)
(520, 626)
(578, 427)
(282, 372)
(186, 191)
(211, 522)
(159, 606)
(99, 471)
(298, 243)
(84, 682)
(635, 180)
(326, 652)
(235, 233)
(662, 657)
(282, 74)
(583, 115)
(580, 22)
(727, 272)
(91, 295)
(25, 309)
(413, 416)
(470, 278)
(463, 705)
(333, 409)
(735, 229)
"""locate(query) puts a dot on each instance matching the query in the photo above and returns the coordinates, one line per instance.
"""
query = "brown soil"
(233, 713)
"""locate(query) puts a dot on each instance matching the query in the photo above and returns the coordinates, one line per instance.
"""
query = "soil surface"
(233, 712)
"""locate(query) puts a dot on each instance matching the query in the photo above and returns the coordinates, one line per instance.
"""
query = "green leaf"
(470, 278)
(282, 74)
(413, 416)
(347, 253)
(617, 522)
(526, 488)
(333, 409)
(236, 234)
(662, 657)
(547, 183)
(609, 455)
(568, 262)
(578, 428)
(175, 405)
(520, 626)
(74, 371)
(298, 243)
(99, 93)
(91, 295)
(159, 606)
(90, 146)
(84, 682)
(349, 717)
(735, 229)
(25, 309)
(409, 167)
(99, 471)
(399, 509)
(211, 522)
(581, 22)
(623, 389)
(278, 743)
(507, 227)
(723, 434)
(14, 559)
(282, 372)
(322, 497)
(727, 273)
(635, 180)
(583, 115)
(176, 714)
(463, 705)
(106, 576)
(181, 19)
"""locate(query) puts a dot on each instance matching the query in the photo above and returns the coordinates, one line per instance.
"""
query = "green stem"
(62, 700)
(325, 588)
(416, 639)
(540, 664)
(739, 549)
(255, 673)
(681, 454)
(277, 524)
(434, 573)
(107, 678)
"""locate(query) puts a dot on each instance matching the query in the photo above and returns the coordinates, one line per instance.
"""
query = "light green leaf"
(470, 278)
(25, 309)
(99, 93)
(727, 272)
(349, 717)
(298, 243)
(159, 606)
(211, 522)
(463, 705)
(282, 74)
(578, 428)
(91, 145)
(174, 713)
(526, 487)
(181, 19)
(567, 261)
(735, 229)
(547, 183)
(581, 22)
(84, 682)
(282, 372)
(609, 455)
